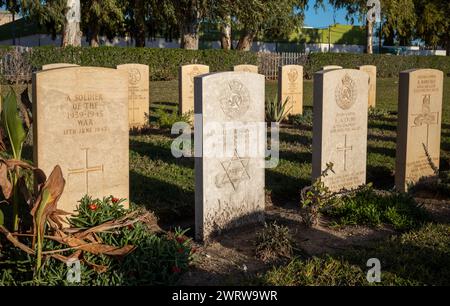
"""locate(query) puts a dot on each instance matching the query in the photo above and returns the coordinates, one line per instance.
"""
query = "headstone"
(229, 188)
(79, 124)
(329, 67)
(186, 85)
(138, 94)
(372, 72)
(246, 68)
(419, 126)
(290, 86)
(340, 127)
(58, 65)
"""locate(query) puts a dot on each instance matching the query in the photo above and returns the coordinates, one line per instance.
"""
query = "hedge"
(163, 63)
(387, 65)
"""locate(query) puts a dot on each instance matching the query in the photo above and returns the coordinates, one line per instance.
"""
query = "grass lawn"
(420, 256)
(415, 251)
(156, 174)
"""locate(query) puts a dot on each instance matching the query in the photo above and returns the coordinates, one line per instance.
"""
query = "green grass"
(416, 258)
(366, 207)
(153, 165)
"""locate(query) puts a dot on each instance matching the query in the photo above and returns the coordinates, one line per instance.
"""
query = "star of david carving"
(236, 171)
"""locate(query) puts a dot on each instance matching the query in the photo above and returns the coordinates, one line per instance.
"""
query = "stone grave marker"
(186, 85)
(79, 124)
(329, 67)
(340, 127)
(290, 85)
(58, 65)
(372, 72)
(229, 149)
(138, 94)
(419, 126)
(246, 68)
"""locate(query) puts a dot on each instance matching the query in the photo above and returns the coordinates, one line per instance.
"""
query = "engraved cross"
(344, 149)
(86, 169)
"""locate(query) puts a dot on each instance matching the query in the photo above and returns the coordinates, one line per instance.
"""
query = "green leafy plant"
(314, 197)
(274, 241)
(16, 135)
(115, 246)
(165, 119)
(277, 111)
(305, 119)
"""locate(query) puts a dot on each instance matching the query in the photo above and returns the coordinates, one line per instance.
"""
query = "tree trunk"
(139, 31)
(71, 35)
(369, 30)
(447, 44)
(94, 32)
(246, 40)
(225, 33)
(14, 28)
(189, 30)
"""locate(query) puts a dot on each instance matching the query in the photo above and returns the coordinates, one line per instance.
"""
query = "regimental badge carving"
(293, 75)
(194, 72)
(235, 171)
(234, 99)
(426, 117)
(346, 92)
(134, 76)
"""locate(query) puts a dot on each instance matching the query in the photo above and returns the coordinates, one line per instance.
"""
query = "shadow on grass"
(168, 201)
(284, 188)
(295, 138)
(161, 153)
(382, 126)
(381, 138)
(381, 177)
(382, 151)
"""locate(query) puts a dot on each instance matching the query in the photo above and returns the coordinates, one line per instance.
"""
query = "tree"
(253, 16)
(434, 25)
(101, 17)
(98, 17)
(12, 6)
(71, 34)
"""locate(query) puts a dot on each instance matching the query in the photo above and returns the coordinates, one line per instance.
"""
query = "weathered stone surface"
(372, 72)
(186, 85)
(81, 124)
(246, 68)
(419, 126)
(138, 94)
(290, 86)
(230, 135)
(340, 127)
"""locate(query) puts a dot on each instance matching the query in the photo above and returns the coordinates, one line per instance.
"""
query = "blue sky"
(321, 18)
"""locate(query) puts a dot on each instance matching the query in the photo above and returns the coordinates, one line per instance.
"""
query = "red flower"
(93, 206)
(130, 226)
(181, 239)
(181, 250)
(114, 200)
(193, 250)
(175, 269)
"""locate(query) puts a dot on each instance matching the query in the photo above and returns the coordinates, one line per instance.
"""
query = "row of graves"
(82, 117)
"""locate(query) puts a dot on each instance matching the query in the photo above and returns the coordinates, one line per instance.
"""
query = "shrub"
(163, 62)
(303, 120)
(158, 258)
(274, 241)
(166, 119)
(387, 65)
